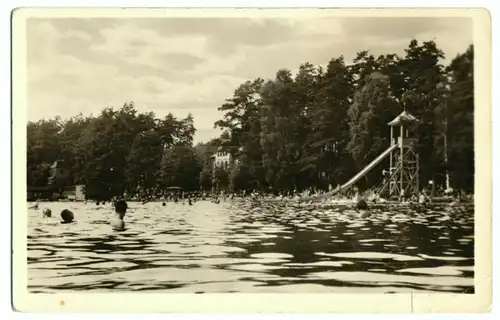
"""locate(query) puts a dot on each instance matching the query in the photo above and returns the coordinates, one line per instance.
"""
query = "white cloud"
(318, 26)
(44, 28)
(141, 46)
(83, 67)
(77, 34)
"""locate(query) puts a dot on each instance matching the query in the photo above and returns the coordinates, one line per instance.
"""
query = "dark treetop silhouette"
(312, 130)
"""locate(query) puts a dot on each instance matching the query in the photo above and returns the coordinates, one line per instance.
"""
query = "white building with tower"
(224, 159)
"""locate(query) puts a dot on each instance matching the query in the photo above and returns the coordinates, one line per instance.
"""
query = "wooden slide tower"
(403, 176)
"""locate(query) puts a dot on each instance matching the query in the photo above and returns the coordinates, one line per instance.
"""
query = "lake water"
(239, 247)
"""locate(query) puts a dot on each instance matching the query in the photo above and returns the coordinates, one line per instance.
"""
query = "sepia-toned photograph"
(253, 153)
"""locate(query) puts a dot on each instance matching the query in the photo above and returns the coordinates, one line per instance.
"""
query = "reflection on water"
(237, 247)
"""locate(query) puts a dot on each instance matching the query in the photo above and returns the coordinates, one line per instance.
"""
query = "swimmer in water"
(120, 209)
(423, 198)
(67, 216)
(361, 205)
(47, 213)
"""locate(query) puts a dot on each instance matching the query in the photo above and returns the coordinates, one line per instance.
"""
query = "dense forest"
(314, 129)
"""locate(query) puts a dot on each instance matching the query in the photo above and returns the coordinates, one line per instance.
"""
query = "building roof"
(403, 118)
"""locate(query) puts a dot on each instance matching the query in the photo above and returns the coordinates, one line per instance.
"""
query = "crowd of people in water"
(68, 216)
(360, 201)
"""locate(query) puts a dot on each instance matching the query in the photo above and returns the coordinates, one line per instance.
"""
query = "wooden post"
(390, 156)
(401, 160)
(417, 172)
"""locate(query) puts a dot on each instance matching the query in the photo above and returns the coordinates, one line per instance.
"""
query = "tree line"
(118, 151)
(321, 126)
(314, 129)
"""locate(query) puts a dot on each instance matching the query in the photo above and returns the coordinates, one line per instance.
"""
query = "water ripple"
(243, 247)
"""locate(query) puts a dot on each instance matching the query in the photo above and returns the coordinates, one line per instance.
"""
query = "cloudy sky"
(183, 65)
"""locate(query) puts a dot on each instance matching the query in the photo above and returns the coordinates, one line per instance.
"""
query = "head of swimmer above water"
(121, 208)
(47, 213)
(67, 216)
